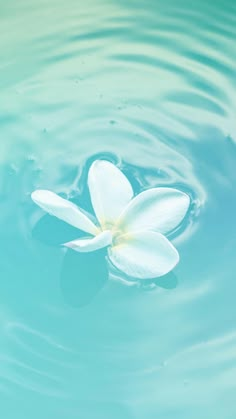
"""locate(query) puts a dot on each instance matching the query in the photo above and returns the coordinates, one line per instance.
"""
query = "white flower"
(131, 227)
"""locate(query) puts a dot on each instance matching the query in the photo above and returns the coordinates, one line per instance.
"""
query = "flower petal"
(144, 255)
(90, 244)
(157, 209)
(64, 210)
(110, 191)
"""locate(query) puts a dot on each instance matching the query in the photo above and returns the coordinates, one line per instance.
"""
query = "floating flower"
(132, 227)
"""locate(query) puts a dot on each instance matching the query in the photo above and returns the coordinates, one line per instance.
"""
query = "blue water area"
(149, 85)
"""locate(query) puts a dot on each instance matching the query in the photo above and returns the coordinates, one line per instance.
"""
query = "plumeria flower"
(133, 228)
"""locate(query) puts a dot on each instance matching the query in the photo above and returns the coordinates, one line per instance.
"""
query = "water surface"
(150, 85)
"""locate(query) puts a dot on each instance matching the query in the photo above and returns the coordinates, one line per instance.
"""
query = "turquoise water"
(149, 85)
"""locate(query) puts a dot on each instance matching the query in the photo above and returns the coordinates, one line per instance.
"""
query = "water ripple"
(150, 88)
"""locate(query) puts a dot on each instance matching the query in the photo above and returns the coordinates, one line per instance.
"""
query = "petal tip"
(177, 258)
(187, 198)
(97, 164)
(68, 245)
(38, 195)
(35, 195)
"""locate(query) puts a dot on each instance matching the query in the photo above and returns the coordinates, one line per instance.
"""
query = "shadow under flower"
(168, 282)
(83, 274)
(51, 231)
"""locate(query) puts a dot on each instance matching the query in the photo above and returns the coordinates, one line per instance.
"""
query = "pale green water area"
(150, 86)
